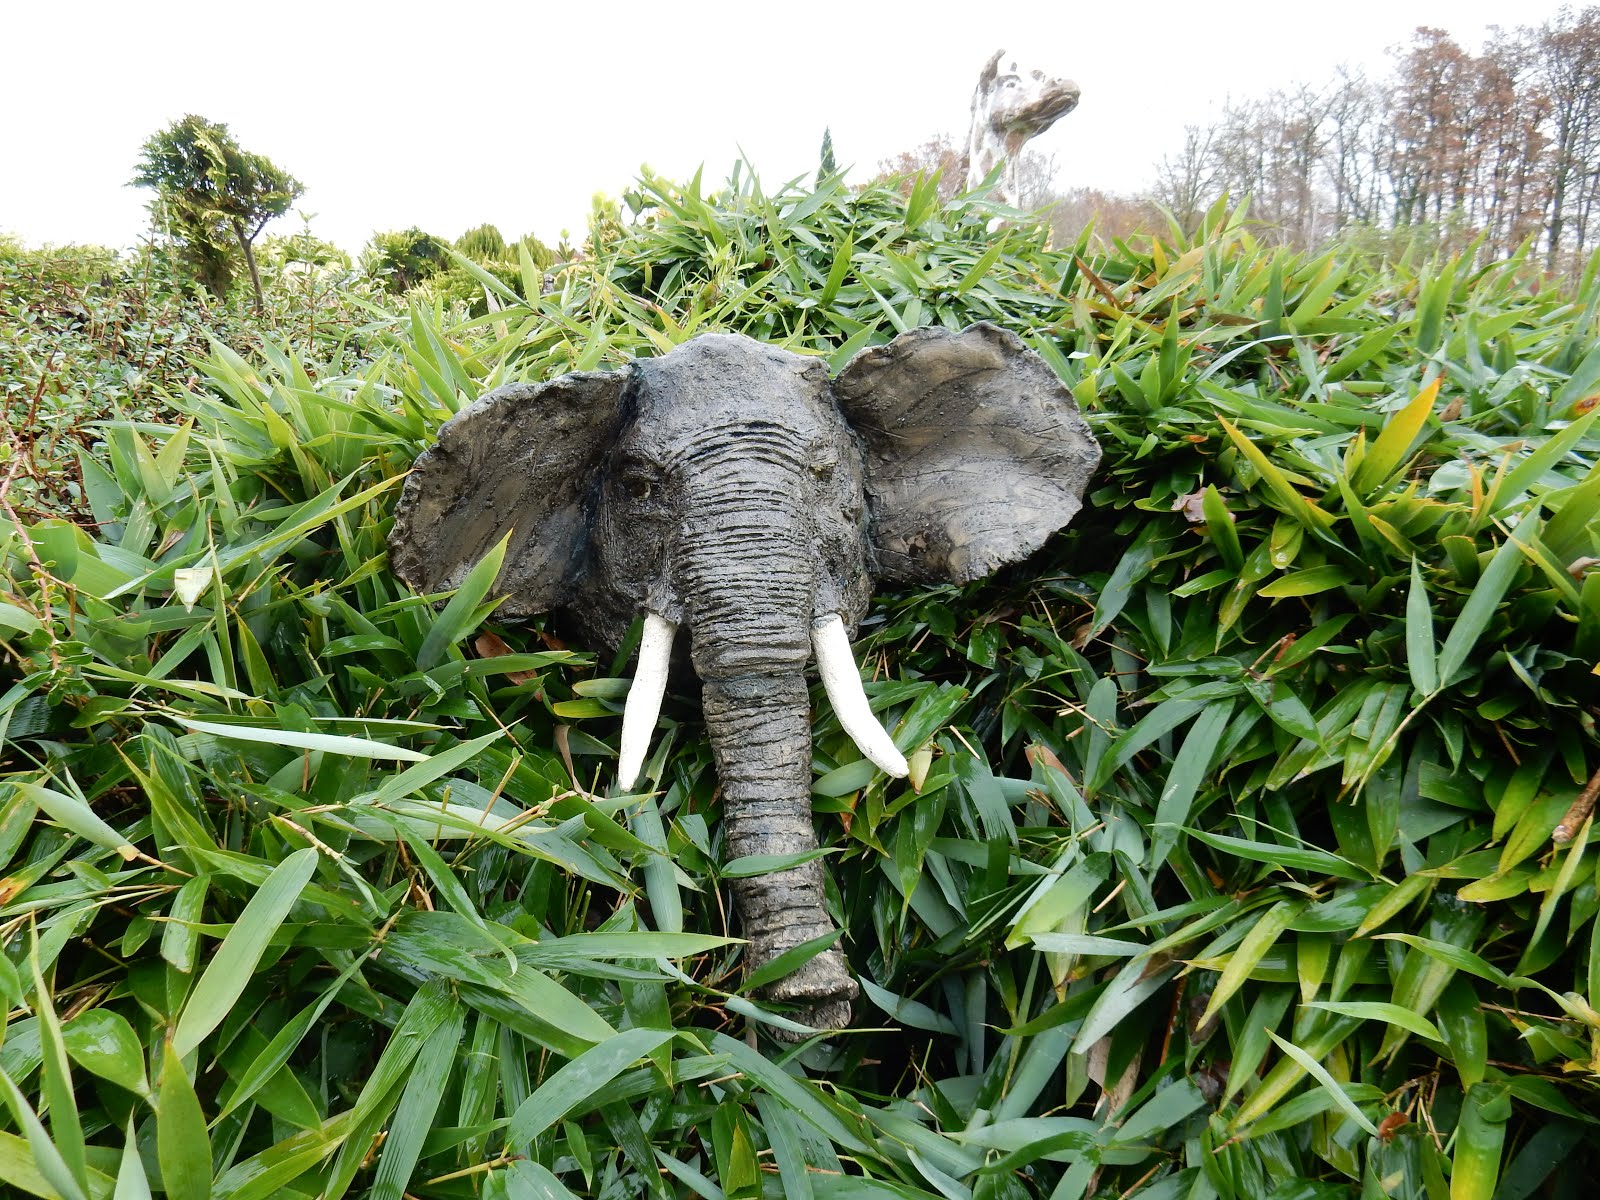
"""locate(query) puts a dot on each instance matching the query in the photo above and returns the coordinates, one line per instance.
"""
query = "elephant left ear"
(976, 452)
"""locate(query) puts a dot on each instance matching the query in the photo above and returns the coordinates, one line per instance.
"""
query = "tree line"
(1503, 144)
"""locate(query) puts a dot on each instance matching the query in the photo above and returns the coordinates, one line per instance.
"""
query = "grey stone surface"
(734, 490)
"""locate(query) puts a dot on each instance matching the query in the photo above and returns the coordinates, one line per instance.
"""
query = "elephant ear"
(524, 459)
(975, 451)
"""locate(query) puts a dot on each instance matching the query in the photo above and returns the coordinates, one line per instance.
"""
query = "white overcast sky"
(446, 115)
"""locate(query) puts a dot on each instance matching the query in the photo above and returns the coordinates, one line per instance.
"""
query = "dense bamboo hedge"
(1231, 872)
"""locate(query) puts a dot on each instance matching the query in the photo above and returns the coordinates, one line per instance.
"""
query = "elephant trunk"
(761, 739)
(749, 583)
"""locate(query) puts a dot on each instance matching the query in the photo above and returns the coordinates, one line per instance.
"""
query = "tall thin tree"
(205, 183)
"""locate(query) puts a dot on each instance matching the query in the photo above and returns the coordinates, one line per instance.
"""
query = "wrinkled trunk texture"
(747, 570)
(761, 737)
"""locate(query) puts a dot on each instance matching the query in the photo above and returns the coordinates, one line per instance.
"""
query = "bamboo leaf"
(1479, 610)
(1297, 857)
(132, 1182)
(461, 615)
(1388, 451)
(1421, 659)
(39, 1159)
(1480, 1136)
(66, 1126)
(75, 815)
(907, 1012)
(1263, 934)
(1320, 1073)
(1306, 583)
(579, 1079)
(328, 743)
(183, 1147)
(1289, 498)
(234, 963)
(413, 1117)
(1372, 1010)
(103, 1042)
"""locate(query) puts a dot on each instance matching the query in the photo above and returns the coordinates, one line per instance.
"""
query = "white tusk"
(841, 678)
(644, 697)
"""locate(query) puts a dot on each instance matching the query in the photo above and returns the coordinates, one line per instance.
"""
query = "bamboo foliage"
(1225, 868)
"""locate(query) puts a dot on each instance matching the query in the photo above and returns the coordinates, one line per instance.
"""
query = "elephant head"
(732, 490)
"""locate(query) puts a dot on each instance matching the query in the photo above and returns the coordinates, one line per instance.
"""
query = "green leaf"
(327, 742)
(39, 1159)
(1129, 988)
(66, 1126)
(1244, 960)
(234, 964)
(20, 620)
(1190, 767)
(1158, 722)
(1372, 1010)
(183, 1147)
(413, 1117)
(1518, 479)
(179, 937)
(284, 1042)
(1421, 658)
(1481, 605)
(132, 1183)
(265, 1176)
(790, 960)
(1220, 528)
(641, 943)
(841, 781)
(1480, 1136)
(907, 1012)
(75, 815)
(578, 1081)
(1451, 956)
(461, 615)
(1461, 1021)
(1296, 857)
(1289, 499)
(1307, 582)
(430, 1007)
(1134, 565)
(1320, 1073)
(1085, 943)
(751, 865)
(103, 1042)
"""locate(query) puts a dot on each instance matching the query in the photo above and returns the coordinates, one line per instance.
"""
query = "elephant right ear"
(523, 458)
(976, 452)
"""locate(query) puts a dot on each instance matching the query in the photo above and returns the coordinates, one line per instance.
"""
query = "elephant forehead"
(727, 383)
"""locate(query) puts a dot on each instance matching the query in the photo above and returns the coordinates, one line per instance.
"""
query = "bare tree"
(1186, 184)
(1569, 61)
(1500, 146)
(1353, 159)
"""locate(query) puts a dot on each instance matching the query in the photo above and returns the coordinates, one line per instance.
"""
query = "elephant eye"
(638, 480)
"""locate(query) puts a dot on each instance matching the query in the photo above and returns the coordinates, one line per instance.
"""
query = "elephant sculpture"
(732, 489)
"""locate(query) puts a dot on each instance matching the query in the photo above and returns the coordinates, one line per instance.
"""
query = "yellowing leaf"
(1388, 452)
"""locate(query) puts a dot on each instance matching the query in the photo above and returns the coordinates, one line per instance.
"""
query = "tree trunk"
(250, 261)
(761, 737)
